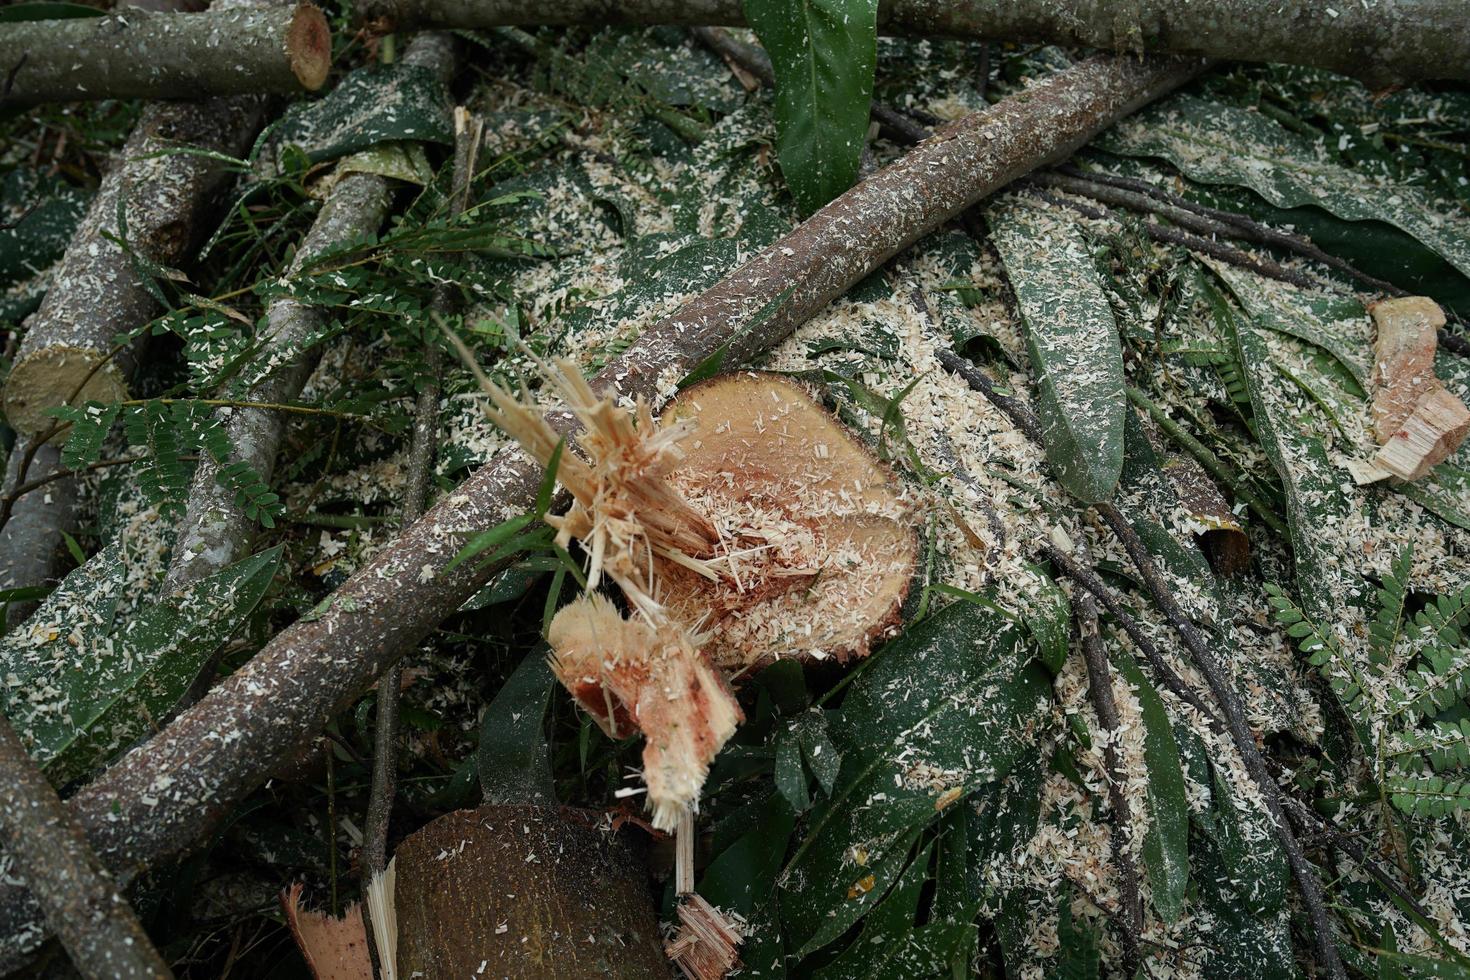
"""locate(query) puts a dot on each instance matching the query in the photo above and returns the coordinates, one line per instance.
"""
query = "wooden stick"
(78, 897)
(156, 801)
(140, 54)
(1379, 43)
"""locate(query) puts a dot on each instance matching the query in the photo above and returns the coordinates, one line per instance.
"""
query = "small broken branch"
(157, 800)
(82, 904)
(1100, 693)
(140, 54)
(1418, 422)
(1379, 43)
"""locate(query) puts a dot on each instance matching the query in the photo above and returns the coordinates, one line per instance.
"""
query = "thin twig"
(1222, 690)
(469, 131)
(1100, 693)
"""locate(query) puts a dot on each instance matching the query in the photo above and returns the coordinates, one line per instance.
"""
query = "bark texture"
(137, 54)
(98, 293)
(1380, 41)
(159, 799)
(215, 530)
(30, 538)
(523, 892)
(81, 903)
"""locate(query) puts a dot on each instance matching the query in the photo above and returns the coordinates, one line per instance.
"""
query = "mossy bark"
(1378, 42)
(156, 801)
(527, 892)
(139, 54)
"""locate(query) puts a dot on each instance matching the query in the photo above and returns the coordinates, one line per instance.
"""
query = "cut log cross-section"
(1416, 420)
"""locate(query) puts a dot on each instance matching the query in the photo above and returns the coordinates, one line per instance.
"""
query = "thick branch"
(159, 799)
(82, 905)
(1379, 42)
(138, 54)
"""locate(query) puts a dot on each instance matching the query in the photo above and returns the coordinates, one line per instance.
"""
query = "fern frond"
(1429, 796)
(1442, 622)
(1386, 629)
(1444, 747)
(1335, 665)
(1441, 679)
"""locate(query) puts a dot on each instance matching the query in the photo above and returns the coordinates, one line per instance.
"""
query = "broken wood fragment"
(334, 948)
(141, 54)
(527, 892)
(1416, 420)
(707, 946)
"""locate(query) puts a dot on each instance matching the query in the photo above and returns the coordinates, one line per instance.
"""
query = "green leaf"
(824, 53)
(106, 685)
(1166, 845)
(1048, 619)
(1217, 143)
(789, 775)
(513, 760)
(743, 876)
(372, 105)
(1076, 355)
(907, 752)
(1080, 957)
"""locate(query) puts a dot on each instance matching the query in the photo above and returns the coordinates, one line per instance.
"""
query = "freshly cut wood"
(1415, 419)
(1224, 540)
(334, 948)
(528, 892)
(157, 800)
(98, 291)
(141, 54)
(707, 945)
(1380, 43)
(819, 542)
(743, 526)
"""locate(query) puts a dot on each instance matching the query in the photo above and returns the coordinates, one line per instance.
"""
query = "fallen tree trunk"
(156, 801)
(99, 292)
(1380, 43)
(100, 931)
(136, 54)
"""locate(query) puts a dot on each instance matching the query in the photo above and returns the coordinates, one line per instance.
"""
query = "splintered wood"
(1416, 421)
(743, 526)
(706, 947)
(334, 949)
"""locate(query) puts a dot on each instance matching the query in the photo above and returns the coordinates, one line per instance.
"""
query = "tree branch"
(1379, 43)
(140, 54)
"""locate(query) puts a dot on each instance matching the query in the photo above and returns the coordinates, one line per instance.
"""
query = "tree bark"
(522, 891)
(136, 54)
(1381, 43)
(77, 895)
(156, 801)
(98, 293)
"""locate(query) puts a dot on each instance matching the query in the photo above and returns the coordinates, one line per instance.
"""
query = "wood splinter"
(744, 525)
(1416, 420)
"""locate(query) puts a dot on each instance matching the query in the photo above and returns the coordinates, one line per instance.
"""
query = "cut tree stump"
(156, 801)
(524, 892)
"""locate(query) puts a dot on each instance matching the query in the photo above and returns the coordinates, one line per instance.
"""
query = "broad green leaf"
(892, 946)
(1073, 341)
(824, 53)
(40, 213)
(92, 685)
(1166, 845)
(1079, 957)
(377, 104)
(790, 776)
(909, 750)
(1315, 498)
(742, 877)
(513, 760)
(1048, 619)
(1216, 143)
